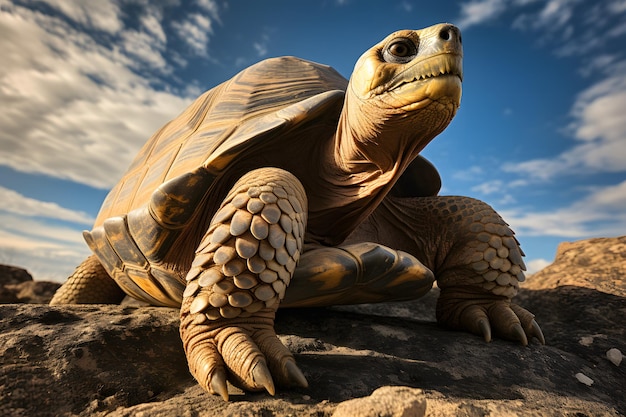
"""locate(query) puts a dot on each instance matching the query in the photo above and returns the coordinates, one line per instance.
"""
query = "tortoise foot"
(508, 321)
(245, 352)
(486, 316)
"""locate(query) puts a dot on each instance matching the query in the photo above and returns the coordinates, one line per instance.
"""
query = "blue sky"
(540, 135)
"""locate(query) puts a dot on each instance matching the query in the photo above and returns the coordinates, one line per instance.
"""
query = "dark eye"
(400, 51)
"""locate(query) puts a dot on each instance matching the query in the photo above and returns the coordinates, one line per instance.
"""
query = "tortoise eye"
(400, 51)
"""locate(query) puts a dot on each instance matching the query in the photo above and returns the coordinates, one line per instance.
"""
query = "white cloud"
(600, 128)
(50, 252)
(574, 27)
(554, 16)
(600, 213)
(570, 27)
(14, 202)
(599, 110)
(470, 173)
(74, 108)
(260, 46)
(27, 237)
(536, 265)
(143, 47)
(479, 11)
(489, 187)
(195, 31)
(211, 7)
(598, 64)
(100, 15)
(151, 21)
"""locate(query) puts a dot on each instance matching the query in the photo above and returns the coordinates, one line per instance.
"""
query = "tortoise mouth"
(441, 65)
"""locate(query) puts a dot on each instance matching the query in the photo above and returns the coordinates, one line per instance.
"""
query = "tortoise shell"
(150, 223)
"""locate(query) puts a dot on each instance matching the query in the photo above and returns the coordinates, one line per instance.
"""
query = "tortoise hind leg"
(238, 277)
(472, 252)
(89, 284)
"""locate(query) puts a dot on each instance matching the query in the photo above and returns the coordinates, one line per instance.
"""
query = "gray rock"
(17, 286)
(13, 275)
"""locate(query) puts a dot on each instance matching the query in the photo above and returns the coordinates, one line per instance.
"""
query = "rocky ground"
(374, 360)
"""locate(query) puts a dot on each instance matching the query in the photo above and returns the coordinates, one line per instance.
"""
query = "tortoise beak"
(436, 78)
(442, 65)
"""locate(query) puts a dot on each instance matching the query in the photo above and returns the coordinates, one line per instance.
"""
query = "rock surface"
(17, 286)
(597, 264)
(386, 359)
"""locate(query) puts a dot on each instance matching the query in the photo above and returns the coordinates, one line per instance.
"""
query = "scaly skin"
(89, 284)
(240, 273)
(472, 252)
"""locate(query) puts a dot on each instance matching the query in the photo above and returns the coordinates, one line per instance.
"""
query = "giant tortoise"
(288, 185)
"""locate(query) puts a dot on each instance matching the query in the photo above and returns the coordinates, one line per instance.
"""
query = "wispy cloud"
(569, 27)
(211, 7)
(600, 213)
(14, 202)
(197, 28)
(195, 31)
(261, 45)
(72, 103)
(479, 11)
(536, 265)
(584, 30)
(406, 6)
(100, 15)
(51, 253)
(599, 128)
(596, 24)
(34, 234)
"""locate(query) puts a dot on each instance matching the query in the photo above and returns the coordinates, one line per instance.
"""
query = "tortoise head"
(408, 84)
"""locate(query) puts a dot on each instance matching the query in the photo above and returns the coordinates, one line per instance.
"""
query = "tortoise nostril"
(450, 33)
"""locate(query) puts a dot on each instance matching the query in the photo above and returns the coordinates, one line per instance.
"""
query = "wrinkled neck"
(370, 149)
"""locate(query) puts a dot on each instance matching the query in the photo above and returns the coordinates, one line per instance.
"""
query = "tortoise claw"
(218, 384)
(295, 375)
(485, 329)
(263, 378)
(486, 317)
(529, 324)
(535, 331)
(517, 333)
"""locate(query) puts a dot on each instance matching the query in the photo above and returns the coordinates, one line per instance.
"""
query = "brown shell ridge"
(249, 134)
(210, 122)
(133, 248)
(125, 262)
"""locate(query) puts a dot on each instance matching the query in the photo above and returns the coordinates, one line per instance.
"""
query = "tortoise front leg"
(473, 253)
(238, 277)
